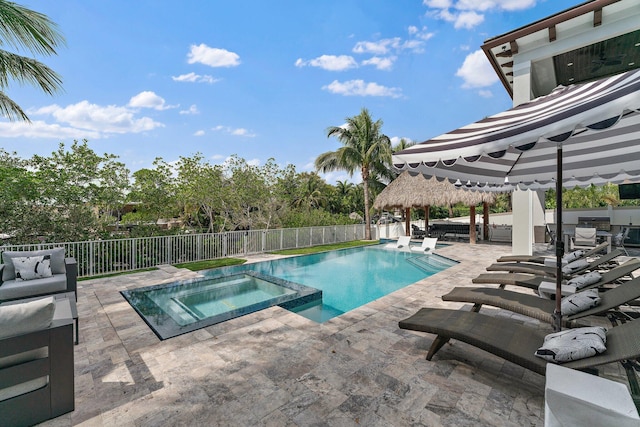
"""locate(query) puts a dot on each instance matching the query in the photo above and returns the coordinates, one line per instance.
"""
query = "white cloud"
(40, 129)
(381, 63)
(468, 20)
(194, 78)
(485, 93)
(381, 47)
(361, 88)
(148, 99)
(234, 131)
(212, 56)
(438, 4)
(97, 118)
(199, 133)
(329, 62)
(192, 110)
(476, 71)
(464, 13)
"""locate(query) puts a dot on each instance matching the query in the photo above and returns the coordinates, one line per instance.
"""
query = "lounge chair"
(513, 340)
(545, 259)
(428, 244)
(541, 308)
(532, 281)
(417, 232)
(403, 241)
(550, 271)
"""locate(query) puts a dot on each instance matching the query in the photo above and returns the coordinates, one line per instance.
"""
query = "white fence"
(98, 257)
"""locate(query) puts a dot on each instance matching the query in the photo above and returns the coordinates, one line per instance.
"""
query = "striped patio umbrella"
(577, 135)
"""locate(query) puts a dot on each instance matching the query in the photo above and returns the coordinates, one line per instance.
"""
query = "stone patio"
(275, 368)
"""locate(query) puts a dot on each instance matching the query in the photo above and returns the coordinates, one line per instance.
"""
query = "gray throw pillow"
(23, 317)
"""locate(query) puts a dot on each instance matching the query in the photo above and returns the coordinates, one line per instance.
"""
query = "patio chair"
(428, 244)
(541, 308)
(550, 271)
(513, 340)
(417, 232)
(403, 241)
(533, 281)
(619, 239)
(546, 259)
(584, 238)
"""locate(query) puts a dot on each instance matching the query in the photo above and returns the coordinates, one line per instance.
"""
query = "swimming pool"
(319, 287)
(348, 278)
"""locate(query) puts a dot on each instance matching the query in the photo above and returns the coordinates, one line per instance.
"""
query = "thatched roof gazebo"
(416, 191)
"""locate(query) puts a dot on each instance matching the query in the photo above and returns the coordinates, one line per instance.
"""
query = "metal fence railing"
(97, 257)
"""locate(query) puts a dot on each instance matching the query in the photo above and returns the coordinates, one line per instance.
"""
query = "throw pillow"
(574, 266)
(585, 280)
(20, 318)
(32, 267)
(572, 256)
(573, 344)
(580, 301)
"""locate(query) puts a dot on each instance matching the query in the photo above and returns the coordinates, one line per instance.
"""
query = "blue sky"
(260, 79)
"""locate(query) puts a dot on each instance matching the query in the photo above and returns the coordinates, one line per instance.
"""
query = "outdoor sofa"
(36, 361)
(60, 278)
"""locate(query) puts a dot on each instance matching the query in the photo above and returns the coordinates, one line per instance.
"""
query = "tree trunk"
(367, 219)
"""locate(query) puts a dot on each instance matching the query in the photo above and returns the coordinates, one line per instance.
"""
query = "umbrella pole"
(557, 314)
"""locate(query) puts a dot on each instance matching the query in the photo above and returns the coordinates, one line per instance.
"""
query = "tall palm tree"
(364, 147)
(24, 29)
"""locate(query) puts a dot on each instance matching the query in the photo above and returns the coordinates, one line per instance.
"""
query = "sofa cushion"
(24, 317)
(32, 267)
(13, 289)
(57, 261)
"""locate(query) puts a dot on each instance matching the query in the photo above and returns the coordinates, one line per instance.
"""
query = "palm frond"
(22, 28)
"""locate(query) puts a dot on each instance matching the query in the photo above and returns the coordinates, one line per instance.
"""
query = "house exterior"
(590, 41)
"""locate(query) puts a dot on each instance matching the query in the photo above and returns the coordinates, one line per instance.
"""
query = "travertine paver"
(275, 368)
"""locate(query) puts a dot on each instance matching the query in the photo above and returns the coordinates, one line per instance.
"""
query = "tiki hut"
(416, 191)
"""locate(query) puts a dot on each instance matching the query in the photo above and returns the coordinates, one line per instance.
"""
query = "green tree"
(68, 184)
(364, 148)
(154, 190)
(25, 29)
(202, 189)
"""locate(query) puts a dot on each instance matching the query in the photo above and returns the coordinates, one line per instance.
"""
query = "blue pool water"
(319, 286)
(348, 278)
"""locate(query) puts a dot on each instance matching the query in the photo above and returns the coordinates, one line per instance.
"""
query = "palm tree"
(22, 28)
(403, 144)
(364, 148)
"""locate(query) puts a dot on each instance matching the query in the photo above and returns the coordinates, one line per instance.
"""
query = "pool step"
(428, 263)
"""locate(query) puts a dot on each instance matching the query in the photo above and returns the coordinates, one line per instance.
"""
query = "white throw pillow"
(585, 280)
(580, 301)
(574, 266)
(573, 344)
(20, 318)
(572, 256)
(32, 267)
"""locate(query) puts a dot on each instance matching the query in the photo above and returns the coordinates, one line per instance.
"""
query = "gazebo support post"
(472, 224)
(426, 220)
(485, 221)
(407, 221)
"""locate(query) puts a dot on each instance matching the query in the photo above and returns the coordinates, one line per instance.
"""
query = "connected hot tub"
(177, 308)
